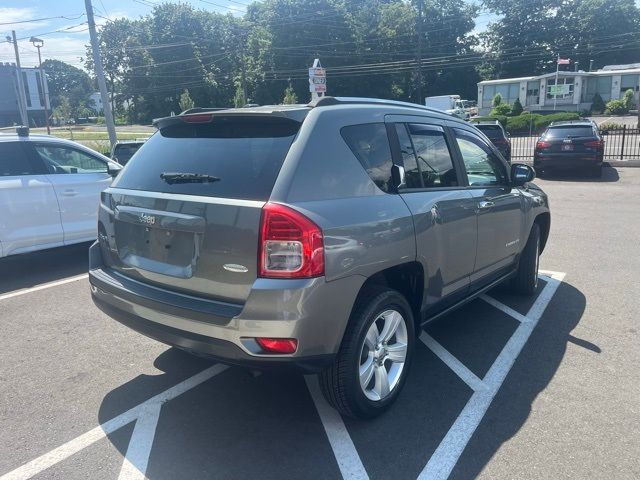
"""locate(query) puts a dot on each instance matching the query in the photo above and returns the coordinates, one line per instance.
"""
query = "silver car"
(316, 237)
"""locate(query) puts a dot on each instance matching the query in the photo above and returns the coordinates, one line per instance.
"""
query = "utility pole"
(590, 65)
(419, 53)
(97, 62)
(22, 98)
(39, 44)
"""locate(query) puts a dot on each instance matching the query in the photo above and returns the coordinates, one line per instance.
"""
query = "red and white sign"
(564, 61)
(317, 78)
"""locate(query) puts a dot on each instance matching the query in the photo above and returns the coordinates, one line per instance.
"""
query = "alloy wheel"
(383, 355)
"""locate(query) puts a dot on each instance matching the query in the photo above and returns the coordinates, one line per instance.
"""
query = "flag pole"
(555, 92)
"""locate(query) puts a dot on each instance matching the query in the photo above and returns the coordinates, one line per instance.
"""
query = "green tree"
(517, 109)
(502, 109)
(628, 99)
(497, 100)
(290, 97)
(67, 82)
(597, 104)
(63, 109)
(529, 35)
(239, 99)
(186, 102)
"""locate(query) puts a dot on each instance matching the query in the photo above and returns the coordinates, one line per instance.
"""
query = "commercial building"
(574, 92)
(9, 110)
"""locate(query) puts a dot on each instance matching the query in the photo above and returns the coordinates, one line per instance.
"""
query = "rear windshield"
(244, 154)
(564, 132)
(491, 131)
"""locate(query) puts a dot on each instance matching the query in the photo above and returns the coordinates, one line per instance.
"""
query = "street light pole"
(38, 43)
(22, 98)
(97, 63)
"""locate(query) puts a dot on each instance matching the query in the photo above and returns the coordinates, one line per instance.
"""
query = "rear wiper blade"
(180, 177)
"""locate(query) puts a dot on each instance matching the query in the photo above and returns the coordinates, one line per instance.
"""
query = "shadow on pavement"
(609, 175)
(239, 426)
(30, 269)
(532, 372)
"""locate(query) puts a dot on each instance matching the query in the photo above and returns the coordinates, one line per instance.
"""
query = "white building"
(97, 102)
(575, 91)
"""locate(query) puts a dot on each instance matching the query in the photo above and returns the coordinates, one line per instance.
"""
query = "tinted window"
(491, 131)
(563, 132)
(412, 175)
(13, 160)
(125, 151)
(434, 158)
(64, 160)
(483, 167)
(245, 154)
(370, 144)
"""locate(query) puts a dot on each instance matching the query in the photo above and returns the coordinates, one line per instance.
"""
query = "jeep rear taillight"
(542, 144)
(291, 245)
(594, 144)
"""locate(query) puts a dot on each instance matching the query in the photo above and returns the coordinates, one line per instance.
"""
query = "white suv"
(49, 192)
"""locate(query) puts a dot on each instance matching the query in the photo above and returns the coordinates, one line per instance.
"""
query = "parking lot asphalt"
(507, 387)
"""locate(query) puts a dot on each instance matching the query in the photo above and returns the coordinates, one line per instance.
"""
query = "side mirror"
(521, 174)
(397, 174)
(113, 169)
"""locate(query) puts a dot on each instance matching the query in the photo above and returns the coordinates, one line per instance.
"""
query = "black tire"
(525, 281)
(340, 383)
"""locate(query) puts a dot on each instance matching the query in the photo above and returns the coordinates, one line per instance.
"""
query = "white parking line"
(59, 454)
(453, 363)
(504, 308)
(344, 450)
(448, 452)
(24, 291)
(136, 459)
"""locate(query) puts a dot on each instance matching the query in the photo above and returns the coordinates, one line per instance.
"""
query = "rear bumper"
(313, 311)
(567, 161)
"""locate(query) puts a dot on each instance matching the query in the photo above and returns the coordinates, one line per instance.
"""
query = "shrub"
(100, 120)
(290, 97)
(517, 107)
(501, 109)
(522, 123)
(628, 99)
(497, 100)
(610, 126)
(543, 121)
(597, 104)
(616, 107)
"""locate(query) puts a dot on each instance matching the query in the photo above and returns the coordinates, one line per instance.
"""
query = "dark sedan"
(570, 146)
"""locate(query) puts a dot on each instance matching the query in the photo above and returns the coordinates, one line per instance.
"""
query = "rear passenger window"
(433, 156)
(370, 144)
(13, 160)
(412, 177)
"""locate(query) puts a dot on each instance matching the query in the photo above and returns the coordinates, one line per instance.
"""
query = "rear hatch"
(495, 134)
(186, 209)
(571, 140)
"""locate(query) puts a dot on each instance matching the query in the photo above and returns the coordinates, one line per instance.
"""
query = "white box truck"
(451, 104)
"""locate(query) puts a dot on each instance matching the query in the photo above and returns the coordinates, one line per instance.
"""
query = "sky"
(65, 38)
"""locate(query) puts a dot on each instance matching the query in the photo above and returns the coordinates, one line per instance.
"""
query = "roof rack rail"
(328, 101)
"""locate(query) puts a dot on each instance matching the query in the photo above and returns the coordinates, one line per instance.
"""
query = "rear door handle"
(69, 193)
(485, 205)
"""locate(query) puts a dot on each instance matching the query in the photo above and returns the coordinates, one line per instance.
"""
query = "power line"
(65, 17)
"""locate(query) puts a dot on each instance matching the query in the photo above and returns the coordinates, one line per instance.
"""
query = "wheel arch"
(406, 278)
(543, 220)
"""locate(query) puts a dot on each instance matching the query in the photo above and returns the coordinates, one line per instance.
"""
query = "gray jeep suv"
(320, 237)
